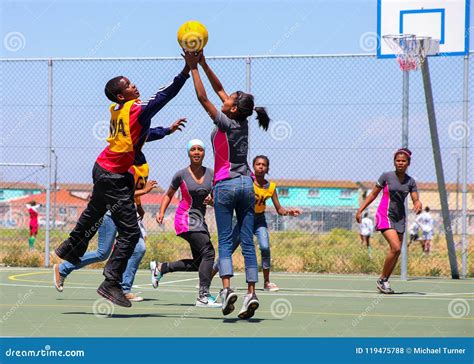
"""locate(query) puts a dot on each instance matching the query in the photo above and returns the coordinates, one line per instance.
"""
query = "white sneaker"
(271, 287)
(155, 274)
(207, 301)
(228, 298)
(249, 307)
(384, 286)
(132, 297)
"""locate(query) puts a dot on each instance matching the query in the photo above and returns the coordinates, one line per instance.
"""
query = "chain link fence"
(336, 121)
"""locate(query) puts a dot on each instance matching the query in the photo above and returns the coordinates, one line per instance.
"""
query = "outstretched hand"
(178, 125)
(192, 58)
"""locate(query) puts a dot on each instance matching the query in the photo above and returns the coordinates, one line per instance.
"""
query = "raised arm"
(192, 61)
(369, 199)
(215, 83)
(164, 205)
(164, 95)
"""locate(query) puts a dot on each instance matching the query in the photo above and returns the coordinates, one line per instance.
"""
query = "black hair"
(245, 106)
(262, 157)
(405, 151)
(113, 88)
(427, 209)
(366, 214)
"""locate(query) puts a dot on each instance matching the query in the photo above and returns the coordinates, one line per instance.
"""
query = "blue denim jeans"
(260, 230)
(107, 232)
(132, 266)
(237, 195)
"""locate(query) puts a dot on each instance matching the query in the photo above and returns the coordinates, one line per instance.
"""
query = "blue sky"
(335, 120)
(148, 28)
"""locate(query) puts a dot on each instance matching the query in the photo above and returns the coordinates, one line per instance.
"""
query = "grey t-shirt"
(392, 204)
(191, 211)
(230, 143)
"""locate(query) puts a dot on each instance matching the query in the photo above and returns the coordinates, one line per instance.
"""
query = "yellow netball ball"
(192, 36)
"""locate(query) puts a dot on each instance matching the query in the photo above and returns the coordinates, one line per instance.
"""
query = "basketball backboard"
(446, 20)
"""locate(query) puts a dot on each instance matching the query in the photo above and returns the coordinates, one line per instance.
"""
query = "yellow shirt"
(262, 195)
(140, 177)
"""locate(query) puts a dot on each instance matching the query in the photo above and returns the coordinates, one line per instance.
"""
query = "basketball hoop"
(411, 50)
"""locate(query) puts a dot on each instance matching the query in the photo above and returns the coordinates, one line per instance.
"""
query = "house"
(10, 190)
(326, 204)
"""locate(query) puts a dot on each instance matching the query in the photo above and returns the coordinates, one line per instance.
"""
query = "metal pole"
(55, 186)
(50, 140)
(439, 168)
(406, 88)
(456, 215)
(248, 86)
(464, 167)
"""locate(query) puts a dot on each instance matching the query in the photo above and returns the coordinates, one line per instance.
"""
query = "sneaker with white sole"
(207, 301)
(132, 297)
(271, 287)
(58, 279)
(249, 306)
(228, 298)
(155, 273)
(384, 286)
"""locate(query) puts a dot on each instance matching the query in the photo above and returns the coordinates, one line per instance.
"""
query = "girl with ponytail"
(233, 185)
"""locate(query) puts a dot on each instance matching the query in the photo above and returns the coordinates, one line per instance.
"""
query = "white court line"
(166, 282)
(274, 294)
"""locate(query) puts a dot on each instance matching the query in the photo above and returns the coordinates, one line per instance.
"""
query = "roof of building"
(13, 185)
(307, 183)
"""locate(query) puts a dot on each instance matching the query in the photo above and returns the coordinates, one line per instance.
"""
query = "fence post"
(464, 168)
(406, 87)
(49, 149)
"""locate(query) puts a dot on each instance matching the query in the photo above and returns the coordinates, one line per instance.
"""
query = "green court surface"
(307, 305)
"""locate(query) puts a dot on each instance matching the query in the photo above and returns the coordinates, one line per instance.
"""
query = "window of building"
(284, 192)
(313, 192)
(346, 193)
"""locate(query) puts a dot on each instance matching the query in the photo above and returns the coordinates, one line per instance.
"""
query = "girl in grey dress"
(390, 218)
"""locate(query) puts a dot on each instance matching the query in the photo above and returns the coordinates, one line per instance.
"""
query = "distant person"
(426, 223)
(33, 211)
(391, 216)
(414, 232)
(366, 230)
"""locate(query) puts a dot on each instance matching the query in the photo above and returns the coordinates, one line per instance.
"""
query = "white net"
(411, 50)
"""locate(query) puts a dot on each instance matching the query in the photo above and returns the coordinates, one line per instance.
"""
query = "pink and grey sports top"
(191, 211)
(391, 210)
(230, 144)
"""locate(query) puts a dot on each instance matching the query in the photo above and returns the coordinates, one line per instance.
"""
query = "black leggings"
(203, 258)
